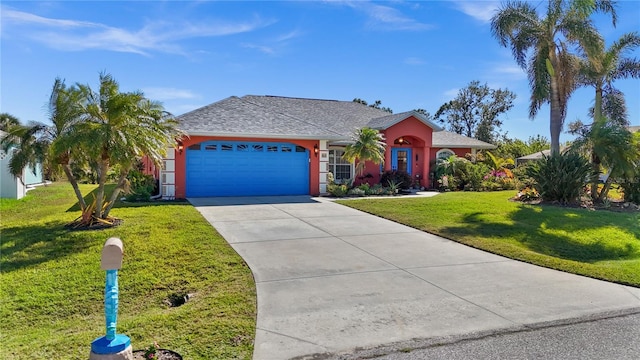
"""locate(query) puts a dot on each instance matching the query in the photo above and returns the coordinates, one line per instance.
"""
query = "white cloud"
(164, 94)
(414, 61)
(262, 48)
(386, 18)
(479, 10)
(156, 36)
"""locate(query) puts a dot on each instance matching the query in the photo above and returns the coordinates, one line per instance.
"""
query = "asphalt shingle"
(282, 117)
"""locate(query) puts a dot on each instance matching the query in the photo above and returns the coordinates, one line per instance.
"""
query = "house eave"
(484, 147)
(266, 135)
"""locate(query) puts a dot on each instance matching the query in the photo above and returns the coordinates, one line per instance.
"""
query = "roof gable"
(385, 122)
(447, 139)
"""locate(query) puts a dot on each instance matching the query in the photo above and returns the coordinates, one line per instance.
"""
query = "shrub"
(631, 189)
(337, 190)
(357, 192)
(520, 174)
(141, 186)
(560, 177)
(366, 188)
(471, 176)
(400, 178)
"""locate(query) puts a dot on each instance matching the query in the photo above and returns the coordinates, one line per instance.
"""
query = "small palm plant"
(368, 145)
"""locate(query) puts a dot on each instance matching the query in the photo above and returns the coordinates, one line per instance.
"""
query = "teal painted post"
(111, 303)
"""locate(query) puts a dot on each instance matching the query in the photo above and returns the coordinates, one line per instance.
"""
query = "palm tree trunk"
(116, 192)
(597, 108)
(595, 167)
(607, 185)
(555, 115)
(102, 179)
(74, 184)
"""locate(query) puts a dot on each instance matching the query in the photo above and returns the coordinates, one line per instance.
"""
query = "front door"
(401, 159)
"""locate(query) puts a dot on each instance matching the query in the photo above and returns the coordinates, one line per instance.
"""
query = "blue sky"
(190, 54)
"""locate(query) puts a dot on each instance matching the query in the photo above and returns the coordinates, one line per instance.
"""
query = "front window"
(340, 168)
(444, 154)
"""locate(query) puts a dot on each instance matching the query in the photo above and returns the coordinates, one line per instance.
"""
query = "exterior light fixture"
(315, 149)
(401, 140)
(180, 147)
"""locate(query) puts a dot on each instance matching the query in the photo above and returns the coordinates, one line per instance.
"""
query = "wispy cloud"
(156, 36)
(262, 48)
(385, 18)
(414, 61)
(479, 10)
(274, 45)
(164, 94)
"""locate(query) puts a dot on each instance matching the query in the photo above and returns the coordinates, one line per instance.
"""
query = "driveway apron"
(331, 279)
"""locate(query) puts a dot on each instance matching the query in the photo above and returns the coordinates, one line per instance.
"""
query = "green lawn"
(52, 286)
(600, 244)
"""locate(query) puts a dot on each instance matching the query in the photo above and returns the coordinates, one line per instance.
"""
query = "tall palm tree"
(66, 147)
(368, 145)
(599, 70)
(602, 67)
(541, 46)
(121, 128)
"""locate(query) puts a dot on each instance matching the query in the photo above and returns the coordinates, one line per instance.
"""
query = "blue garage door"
(233, 168)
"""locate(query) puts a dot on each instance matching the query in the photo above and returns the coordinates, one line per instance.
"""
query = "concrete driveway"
(332, 280)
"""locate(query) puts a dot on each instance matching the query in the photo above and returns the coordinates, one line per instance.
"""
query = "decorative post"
(112, 346)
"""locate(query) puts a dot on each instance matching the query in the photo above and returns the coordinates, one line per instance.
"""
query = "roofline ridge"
(292, 117)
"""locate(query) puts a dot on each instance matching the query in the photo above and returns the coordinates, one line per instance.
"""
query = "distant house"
(531, 157)
(271, 145)
(12, 187)
(634, 128)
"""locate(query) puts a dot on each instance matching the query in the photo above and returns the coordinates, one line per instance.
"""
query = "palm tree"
(541, 46)
(66, 147)
(601, 68)
(498, 164)
(7, 121)
(368, 145)
(121, 128)
(614, 147)
(27, 146)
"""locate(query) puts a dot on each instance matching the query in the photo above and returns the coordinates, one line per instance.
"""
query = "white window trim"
(332, 165)
(444, 150)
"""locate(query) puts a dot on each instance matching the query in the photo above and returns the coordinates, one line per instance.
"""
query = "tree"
(368, 145)
(475, 111)
(601, 68)
(108, 128)
(27, 147)
(515, 148)
(7, 121)
(541, 46)
(376, 105)
(121, 128)
(609, 145)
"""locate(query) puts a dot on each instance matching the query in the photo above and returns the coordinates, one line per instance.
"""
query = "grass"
(599, 244)
(52, 286)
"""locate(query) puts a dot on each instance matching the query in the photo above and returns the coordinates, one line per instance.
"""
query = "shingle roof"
(385, 122)
(634, 128)
(286, 117)
(446, 139)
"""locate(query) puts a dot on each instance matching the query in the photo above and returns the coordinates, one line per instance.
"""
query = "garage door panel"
(244, 169)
